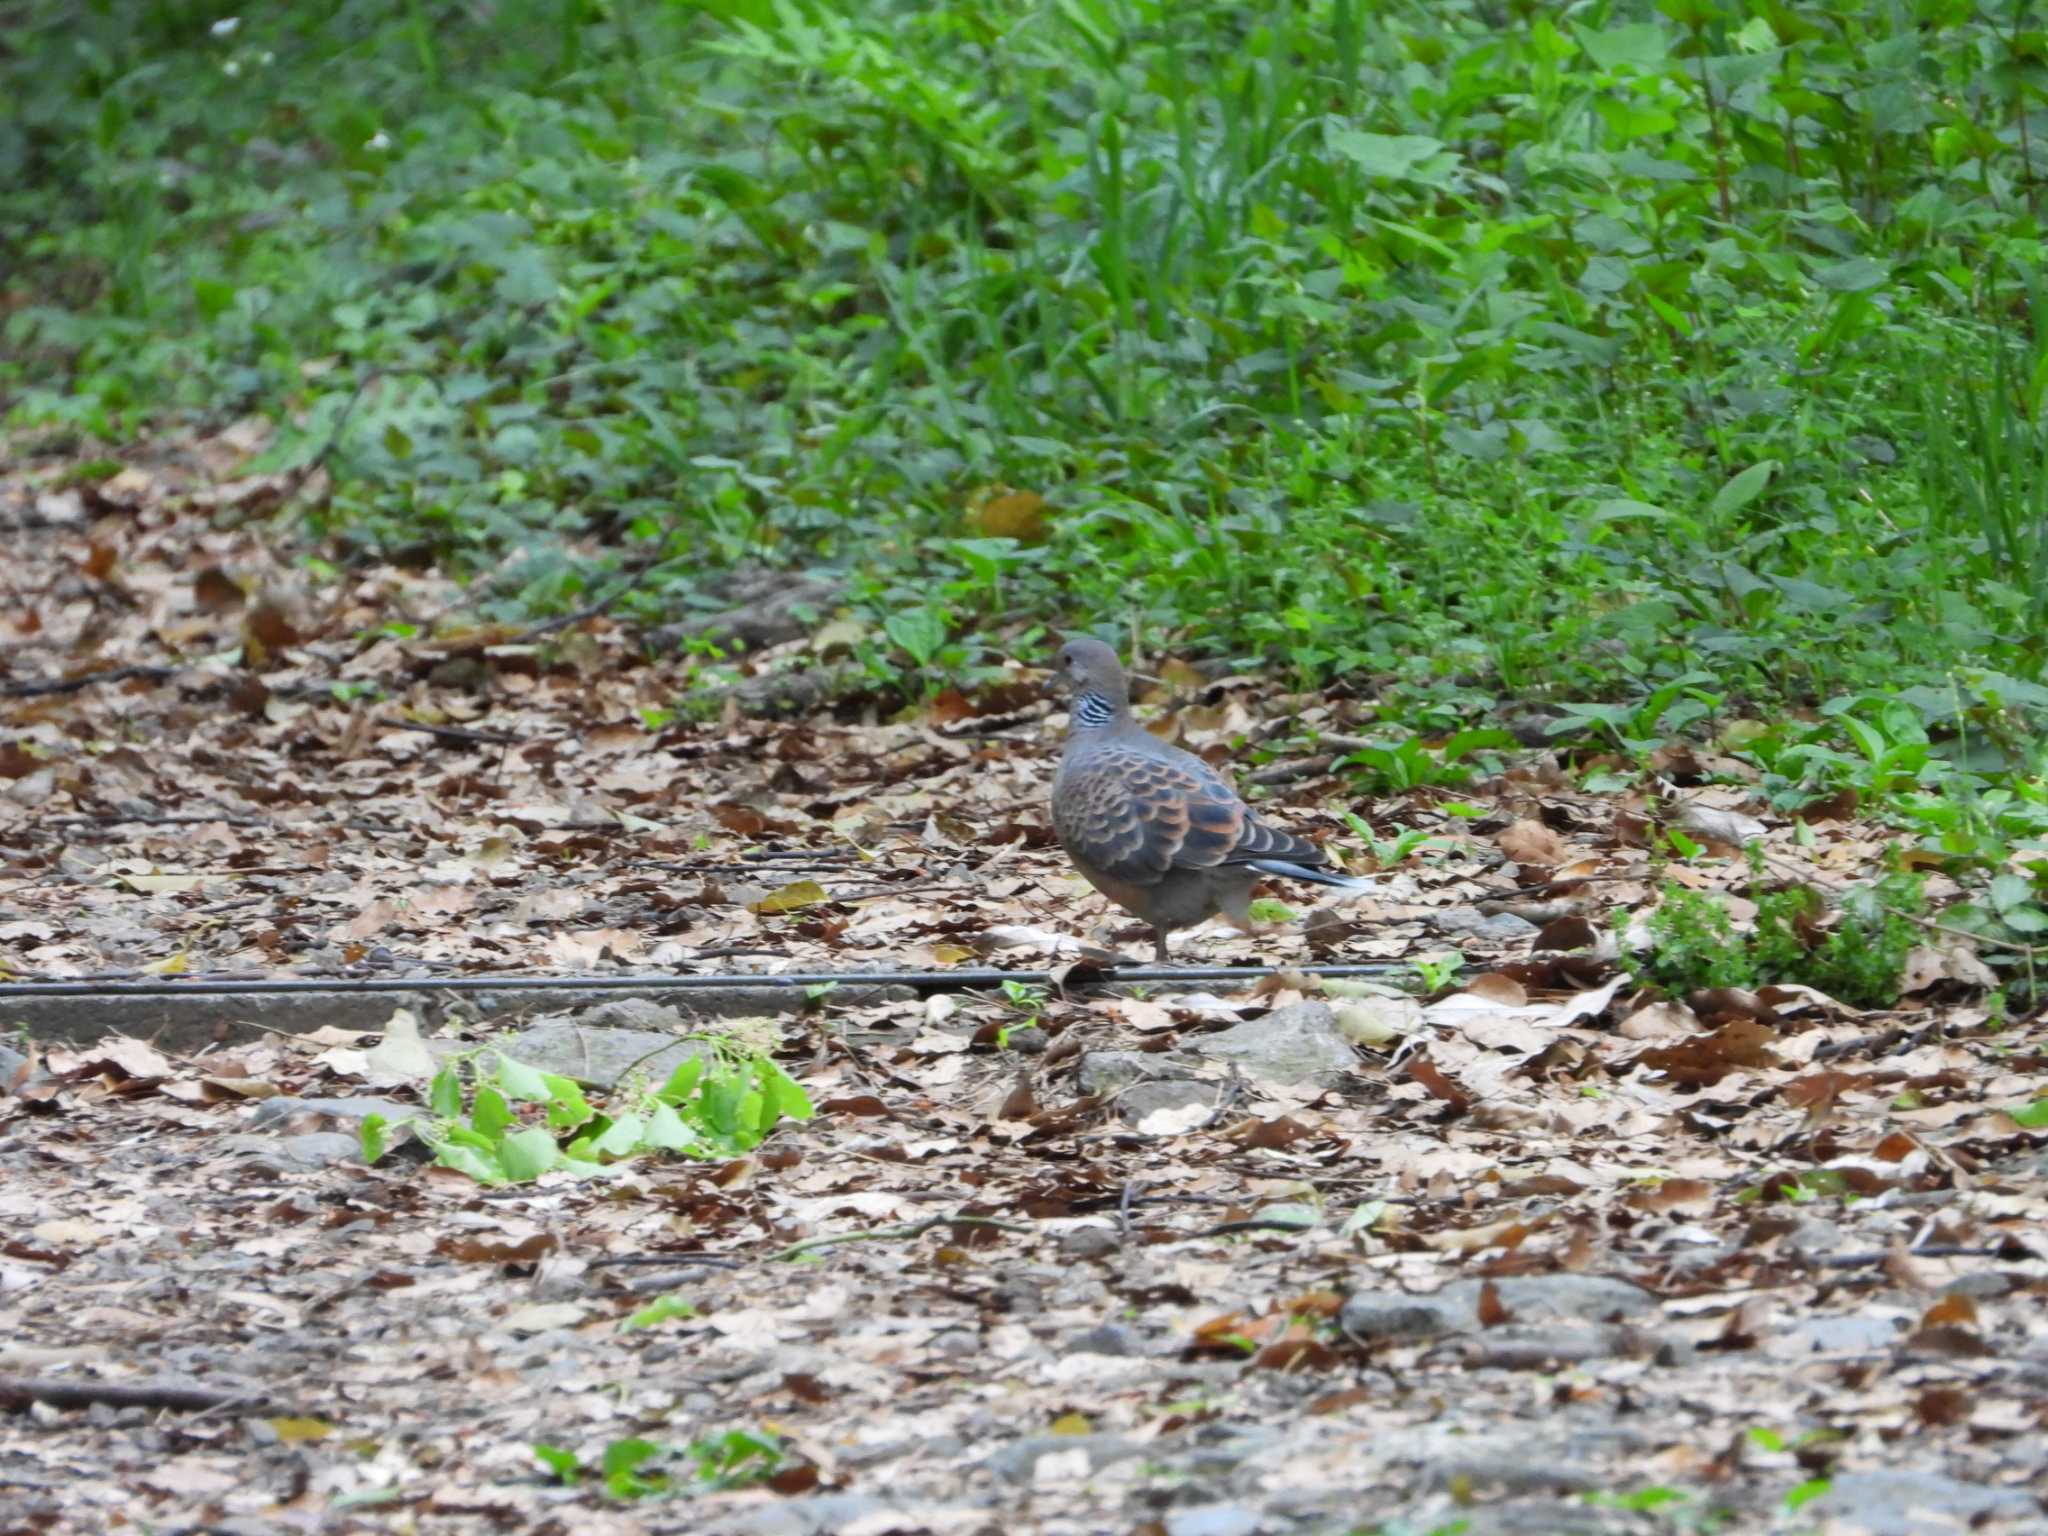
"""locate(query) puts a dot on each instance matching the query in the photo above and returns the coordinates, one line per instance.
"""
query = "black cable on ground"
(922, 981)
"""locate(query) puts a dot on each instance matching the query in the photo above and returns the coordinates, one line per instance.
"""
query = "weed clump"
(1859, 959)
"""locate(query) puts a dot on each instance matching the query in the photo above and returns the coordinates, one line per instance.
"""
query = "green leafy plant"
(1859, 959)
(633, 1468)
(1388, 853)
(1438, 973)
(501, 1121)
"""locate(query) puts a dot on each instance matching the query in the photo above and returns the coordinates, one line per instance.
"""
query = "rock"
(1214, 1520)
(1108, 1339)
(313, 1149)
(1500, 927)
(1298, 1043)
(11, 1062)
(276, 1111)
(1850, 1333)
(1904, 1503)
(1018, 1462)
(1088, 1243)
(1548, 1346)
(820, 1515)
(1529, 1299)
(600, 1057)
(1107, 1071)
(319, 1149)
(627, 1013)
(1168, 1108)
(1385, 1317)
(1985, 1285)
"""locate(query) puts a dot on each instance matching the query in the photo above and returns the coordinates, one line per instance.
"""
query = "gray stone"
(1529, 1299)
(1501, 927)
(1298, 1043)
(1108, 1339)
(11, 1062)
(275, 1111)
(1853, 1333)
(1985, 1285)
(1141, 1101)
(1214, 1520)
(626, 1013)
(1016, 1462)
(318, 1149)
(600, 1056)
(1905, 1503)
(1089, 1243)
(314, 1149)
(1107, 1071)
(1514, 1348)
(819, 1515)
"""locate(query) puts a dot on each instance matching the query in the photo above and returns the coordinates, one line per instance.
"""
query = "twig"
(1931, 1251)
(60, 1392)
(669, 1260)
(895, 1234)
(1250, 1224)
(1287, 773)
(45, 686)
(124, 819)
(453, 732)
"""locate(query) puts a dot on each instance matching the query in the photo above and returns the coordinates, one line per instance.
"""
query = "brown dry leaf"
(1426, 1072)
(1531, 842)
(1661, 1020)
(1494, 987)
(136, 1060)
(215, 591)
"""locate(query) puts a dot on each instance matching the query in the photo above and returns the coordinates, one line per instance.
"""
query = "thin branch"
(65, 1392)
(453, 732)
(43, 687)
(896, 1234)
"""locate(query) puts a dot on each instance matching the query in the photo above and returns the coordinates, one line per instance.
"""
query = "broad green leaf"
(479, 1163)
(666, 1131)
(1743, 488)
(561, 1462)
(528, 1154)
(683, 1081)
(790, 1098)
(1641, 45)
(1859, 274)
(622, 1461)
(521, 1082)
(1384, 154)
(491, 1114)
(567, 1108)
(621, 1138)
(374, 1142)
(660, 1310)
(444, 1095)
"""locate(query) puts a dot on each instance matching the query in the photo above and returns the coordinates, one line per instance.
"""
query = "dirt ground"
(1528, 1252)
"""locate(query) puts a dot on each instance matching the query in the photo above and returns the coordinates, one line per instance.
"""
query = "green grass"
(1466, 351)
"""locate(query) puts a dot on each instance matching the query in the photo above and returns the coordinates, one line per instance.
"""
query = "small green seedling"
(521, 1122)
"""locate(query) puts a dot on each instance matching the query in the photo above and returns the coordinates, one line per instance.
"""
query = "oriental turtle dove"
(1155, 829)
